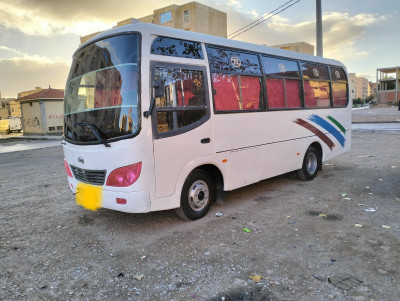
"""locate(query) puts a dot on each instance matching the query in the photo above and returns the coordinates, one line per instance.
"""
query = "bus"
(157, 118)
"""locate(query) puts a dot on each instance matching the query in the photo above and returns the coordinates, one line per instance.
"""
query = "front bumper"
(94, 197)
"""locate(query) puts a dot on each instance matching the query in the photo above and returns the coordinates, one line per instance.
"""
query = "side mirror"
(158, 88)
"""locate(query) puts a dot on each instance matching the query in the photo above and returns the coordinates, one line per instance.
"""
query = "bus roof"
(158, 30)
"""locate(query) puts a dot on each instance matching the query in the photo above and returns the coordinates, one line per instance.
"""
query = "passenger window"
(183, 103)
(339, 87)
(236, 92)
(236, 80)
(233, 61)
(316, 85)
(282, 82)
(176, 47)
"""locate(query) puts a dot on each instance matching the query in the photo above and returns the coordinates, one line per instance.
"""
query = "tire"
(311, 165)
(197, 195)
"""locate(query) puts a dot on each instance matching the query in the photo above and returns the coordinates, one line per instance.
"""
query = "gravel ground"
(303, 235)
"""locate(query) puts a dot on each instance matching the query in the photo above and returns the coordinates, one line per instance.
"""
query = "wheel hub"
(198, 195)
(312, 163)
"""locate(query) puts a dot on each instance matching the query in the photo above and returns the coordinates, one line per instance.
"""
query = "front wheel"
(197, 195)
(311, 165)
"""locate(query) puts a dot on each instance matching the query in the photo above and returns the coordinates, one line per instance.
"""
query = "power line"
(262, 19)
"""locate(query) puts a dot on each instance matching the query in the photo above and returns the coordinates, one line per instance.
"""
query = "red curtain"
(227, 97)
(251, 88)
(292, 93)
(275, 93)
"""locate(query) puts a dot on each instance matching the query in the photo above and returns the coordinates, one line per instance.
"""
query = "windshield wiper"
(95, 131)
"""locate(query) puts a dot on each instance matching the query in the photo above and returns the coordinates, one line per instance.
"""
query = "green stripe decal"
(338, 124)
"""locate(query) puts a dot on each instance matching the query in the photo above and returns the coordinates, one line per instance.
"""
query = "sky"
(38, 37)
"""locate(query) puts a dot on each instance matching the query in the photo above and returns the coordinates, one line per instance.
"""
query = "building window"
(52, 128)
(186, 16)
(165, 17)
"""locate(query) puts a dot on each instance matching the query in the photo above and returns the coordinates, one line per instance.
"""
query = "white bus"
(158, 118)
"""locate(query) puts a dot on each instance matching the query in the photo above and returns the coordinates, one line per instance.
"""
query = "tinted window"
(233, 61)
(175, 47)
(283, 93)
(314, 71)
(283, 83)
(106, 53)
(236, 92)
(337, 74)
(339, 87)
(280, 67)
(183, 102)
(102, 91)
(317, 94)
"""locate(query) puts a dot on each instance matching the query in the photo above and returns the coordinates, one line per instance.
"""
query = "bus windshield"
(101, 100)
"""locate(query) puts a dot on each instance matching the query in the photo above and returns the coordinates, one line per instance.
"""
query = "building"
(191, 16)
(388, 85)
(359, 87)
(297, 47)
(5, 111)
(42, 112)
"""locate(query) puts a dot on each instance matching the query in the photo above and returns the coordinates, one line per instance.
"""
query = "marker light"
(120, 201)
(124, 176)
(67, 169)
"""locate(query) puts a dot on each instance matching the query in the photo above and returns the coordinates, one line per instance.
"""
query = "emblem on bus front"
(81, 160)
(235, 61)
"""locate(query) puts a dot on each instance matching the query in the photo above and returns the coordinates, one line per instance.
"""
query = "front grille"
(95, 177)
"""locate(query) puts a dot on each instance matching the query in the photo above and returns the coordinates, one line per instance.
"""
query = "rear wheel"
(311, 165)
(197, 195)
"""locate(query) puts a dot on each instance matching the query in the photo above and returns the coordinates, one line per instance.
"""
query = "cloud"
(23, 74)
(49, 17)
(341, 31)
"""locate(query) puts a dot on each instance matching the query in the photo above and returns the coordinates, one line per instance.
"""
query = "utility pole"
(320, 51)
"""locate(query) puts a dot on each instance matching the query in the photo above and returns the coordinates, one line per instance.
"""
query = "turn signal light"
(124, 176)
(67, 169)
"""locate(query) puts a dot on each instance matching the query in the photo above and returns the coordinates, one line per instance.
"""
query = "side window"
(183, 104)
(282, 82)
(339, 87)
(316, 85)
(176, 47)
(236, 92)
(236, 79)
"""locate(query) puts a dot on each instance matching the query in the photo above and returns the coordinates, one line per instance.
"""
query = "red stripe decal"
(316, 131)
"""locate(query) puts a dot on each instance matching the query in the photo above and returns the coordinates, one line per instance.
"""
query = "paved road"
(21, 144)
(376, 127)
(16, 146)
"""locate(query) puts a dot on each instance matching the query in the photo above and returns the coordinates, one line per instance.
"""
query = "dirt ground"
(303, 236)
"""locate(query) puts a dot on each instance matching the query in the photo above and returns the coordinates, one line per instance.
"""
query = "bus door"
(180, 119)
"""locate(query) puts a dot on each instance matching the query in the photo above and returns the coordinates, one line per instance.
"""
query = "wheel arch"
(217, 178)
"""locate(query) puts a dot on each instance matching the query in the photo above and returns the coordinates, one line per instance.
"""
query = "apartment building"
(191, 16)
(301, 47)
(359, 87)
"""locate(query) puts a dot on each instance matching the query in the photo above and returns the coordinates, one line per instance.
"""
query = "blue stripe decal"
(329, 127)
